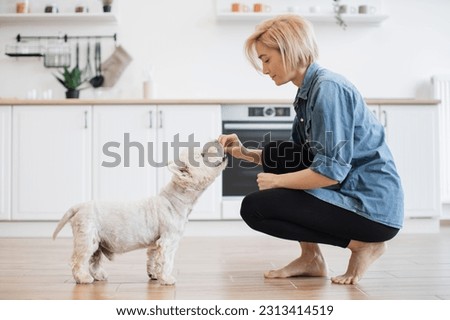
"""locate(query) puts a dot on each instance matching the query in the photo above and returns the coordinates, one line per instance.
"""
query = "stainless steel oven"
(255, 126)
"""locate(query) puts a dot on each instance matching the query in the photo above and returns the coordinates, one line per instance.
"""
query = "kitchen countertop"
(71, 102)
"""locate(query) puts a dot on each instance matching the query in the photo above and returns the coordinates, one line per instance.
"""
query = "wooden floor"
(416, 266)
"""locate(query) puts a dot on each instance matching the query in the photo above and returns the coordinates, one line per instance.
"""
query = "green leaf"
(70, 79)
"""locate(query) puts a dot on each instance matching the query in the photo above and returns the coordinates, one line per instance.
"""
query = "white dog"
(156, 223)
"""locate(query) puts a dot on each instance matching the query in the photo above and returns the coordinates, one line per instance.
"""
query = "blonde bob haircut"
(291, 35)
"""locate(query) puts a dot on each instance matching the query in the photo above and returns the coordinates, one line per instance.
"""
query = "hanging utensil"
(77, 55)
(97, 81)
(87, 71)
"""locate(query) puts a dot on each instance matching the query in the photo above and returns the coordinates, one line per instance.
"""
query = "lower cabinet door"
(124, 147)
(52, 162)
(412, 134)
(201, 123)
(5, 163)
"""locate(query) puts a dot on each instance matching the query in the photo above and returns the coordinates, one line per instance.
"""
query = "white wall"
(195, 56)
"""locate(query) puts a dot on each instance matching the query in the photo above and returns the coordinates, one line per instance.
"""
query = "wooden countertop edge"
(370, 101)
(73, 102)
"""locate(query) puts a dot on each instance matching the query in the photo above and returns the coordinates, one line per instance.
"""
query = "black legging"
(297, 215)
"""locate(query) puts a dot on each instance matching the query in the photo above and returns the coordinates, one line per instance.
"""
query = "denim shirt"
(348, 145)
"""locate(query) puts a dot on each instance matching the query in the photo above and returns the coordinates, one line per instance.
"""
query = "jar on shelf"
(81, 7)
(51, 8)
(22, 7)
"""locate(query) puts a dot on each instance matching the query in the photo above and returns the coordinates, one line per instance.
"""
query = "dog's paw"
(152, 276)
(168, 281)
(100, 275)
(83, 278)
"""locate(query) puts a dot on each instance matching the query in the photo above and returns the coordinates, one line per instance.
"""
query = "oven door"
(239, 179)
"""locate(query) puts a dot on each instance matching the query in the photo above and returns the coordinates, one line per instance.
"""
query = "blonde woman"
(335, 182)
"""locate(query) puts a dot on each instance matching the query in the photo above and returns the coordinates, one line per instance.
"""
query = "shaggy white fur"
(156, 223)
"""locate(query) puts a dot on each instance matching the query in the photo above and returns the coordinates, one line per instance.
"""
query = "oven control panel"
(261, 113)
(269, 111)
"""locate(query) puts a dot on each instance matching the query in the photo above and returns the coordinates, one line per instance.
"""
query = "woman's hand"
(232, 145)
(267, 181)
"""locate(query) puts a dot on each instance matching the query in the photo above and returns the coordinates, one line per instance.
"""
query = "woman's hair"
(292, 35)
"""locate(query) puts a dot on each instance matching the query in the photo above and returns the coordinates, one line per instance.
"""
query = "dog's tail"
(67, 216)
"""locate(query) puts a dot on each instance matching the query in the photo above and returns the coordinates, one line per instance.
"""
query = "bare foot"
(310, 264)
(363, 255)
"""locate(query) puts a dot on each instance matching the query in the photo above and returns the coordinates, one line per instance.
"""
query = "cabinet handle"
(150, 114)
(160, 119)
(385, 118)
(85, 119)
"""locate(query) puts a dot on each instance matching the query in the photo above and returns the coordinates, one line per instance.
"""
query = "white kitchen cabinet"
(123, 139)
(411, 133)
(143, 131)
(204, 122)
(5, 163)
(51, 160)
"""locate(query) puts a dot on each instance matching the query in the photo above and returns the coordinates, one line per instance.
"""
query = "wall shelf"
(58, 17)
(322, 18)
(316, 11)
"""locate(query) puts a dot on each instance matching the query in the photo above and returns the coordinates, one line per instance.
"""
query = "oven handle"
(257, 126)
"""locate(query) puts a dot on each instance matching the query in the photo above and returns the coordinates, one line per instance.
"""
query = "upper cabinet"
(317, 11)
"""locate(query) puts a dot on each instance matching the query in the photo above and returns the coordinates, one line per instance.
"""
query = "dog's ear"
(172, 167)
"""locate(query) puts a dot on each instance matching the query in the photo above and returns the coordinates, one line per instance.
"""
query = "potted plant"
(338, 16)
(71, 80)
(107, 5)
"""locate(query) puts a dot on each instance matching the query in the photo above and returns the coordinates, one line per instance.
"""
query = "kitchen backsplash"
(195, 55)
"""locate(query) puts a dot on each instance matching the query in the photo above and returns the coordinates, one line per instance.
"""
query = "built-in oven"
(255, 125)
